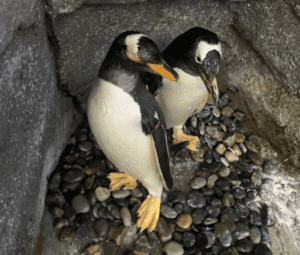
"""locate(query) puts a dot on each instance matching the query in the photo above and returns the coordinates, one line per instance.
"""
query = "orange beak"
(164, 71)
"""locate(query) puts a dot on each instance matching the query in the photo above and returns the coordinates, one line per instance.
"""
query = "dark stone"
(265, 237)
(89, 182)
(241, 127)
(255, 218)
(122, 202)
(210, 220)
(201, 241)
(267, 219)
(83, 233)
(219, 193)
(207, 192)
(55, 199)
(54, 182)
(71, 185)
(228, 200)
(196, 199)
(189, 239)
(230, 223)
(60, 223)
(164, 230)
(262, 249)
(101, 228)
(270, 167)
(141, 245)
(221, 230)
(223, 185)
(80, 204)
(213, 211)
(215, 166)
(241, 210)
(175, 196)
(208, 158)
(198, 216)
(254, 235)
(73, 175)
(230, 213)
(238, 193)
(203, 114)
(241, 231)
(210, 141)
(252, 194)
(179, 208)
(244, 245)
(226, 241)
(82, 219)
(216, 156)
(216, 201)
(69, 211)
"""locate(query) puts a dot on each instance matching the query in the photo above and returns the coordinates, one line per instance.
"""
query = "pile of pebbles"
(223, 213)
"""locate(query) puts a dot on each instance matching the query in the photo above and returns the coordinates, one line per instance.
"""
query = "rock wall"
(36, 120)
(49, 59)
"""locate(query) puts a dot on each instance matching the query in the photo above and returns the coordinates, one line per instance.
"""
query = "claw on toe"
(179, 137)
(149, 213)
(119, 180)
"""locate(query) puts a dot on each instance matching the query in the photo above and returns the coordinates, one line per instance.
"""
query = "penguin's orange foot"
(119, 180)
(149, 213)
(179, 137)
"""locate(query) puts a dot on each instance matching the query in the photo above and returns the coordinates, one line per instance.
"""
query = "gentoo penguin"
(128, 123)
(195, 55)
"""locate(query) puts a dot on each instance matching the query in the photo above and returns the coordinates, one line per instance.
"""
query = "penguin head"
(197, 51)
(140, 52)
(207, 57)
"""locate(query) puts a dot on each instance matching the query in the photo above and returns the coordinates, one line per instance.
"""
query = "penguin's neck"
(121, 74)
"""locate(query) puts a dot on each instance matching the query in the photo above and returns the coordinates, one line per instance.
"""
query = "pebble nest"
(223, 213)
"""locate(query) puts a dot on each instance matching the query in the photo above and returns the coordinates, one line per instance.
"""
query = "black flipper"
(153, 81)
(158, 133)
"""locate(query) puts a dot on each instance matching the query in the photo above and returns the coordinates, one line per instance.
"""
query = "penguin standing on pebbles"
(128, 123)
(195, 55)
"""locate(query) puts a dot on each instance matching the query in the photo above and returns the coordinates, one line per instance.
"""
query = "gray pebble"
(228, 200)
(121, 193)
(102, 193)
(174, 248)
(164, 230)
(210, 238)
(96, 209)
(243, 148)
(168, 211)
(73, 175)
(224, 161)
(141, 245)
(125, 216)
(210, 220)
(136, 192)
(198, 216)
(214, 133)
(241, 230)
(59, 223)
(202, 173)
(226, 241)
(80, 204)
(270, 167)
(233, 105)
(221, 230)
(201, 127)
(83, 233)
(114, 210)
(254, 235)
(224, 171)
(56, 212)
(85, 146)
(198, 183)
(216, 112)
(211, 181)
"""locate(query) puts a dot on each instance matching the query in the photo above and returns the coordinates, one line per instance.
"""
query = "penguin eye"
(198, 59)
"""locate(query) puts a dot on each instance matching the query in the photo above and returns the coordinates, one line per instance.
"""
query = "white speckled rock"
(174, 248)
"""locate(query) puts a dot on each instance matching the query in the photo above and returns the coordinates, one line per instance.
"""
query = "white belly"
(179, 100)
(115, 120)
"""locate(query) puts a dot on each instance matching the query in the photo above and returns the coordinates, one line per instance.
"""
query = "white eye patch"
(131, 42)
(204, 47)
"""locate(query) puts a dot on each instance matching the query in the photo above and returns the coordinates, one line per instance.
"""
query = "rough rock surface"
(36, 120)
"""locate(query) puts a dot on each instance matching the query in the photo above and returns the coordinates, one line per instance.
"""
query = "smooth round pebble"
(254, 235)
(102, 193)
(83, 233)
(121, 193)
(85, 146)
(168, 211)
(198, 183)
(196, 200)
(244, 245)
(174, 248)
(80, 204)
(189, 239)
(184, 220)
